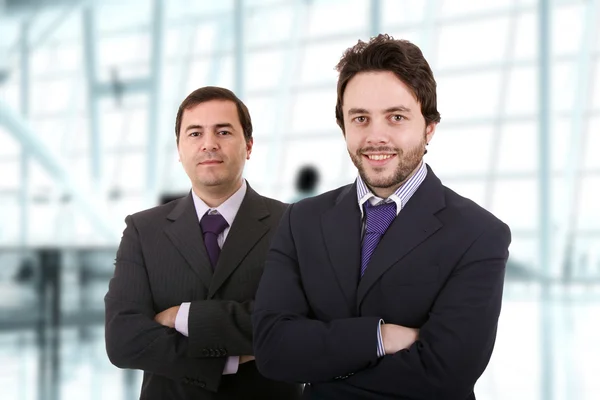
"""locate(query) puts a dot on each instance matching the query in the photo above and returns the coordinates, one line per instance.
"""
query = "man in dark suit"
(389, 288)
(178, 307)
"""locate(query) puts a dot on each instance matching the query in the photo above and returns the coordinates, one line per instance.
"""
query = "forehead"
(211, 112)
(378, 90)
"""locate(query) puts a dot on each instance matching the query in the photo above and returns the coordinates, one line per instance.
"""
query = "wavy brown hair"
(384, 53)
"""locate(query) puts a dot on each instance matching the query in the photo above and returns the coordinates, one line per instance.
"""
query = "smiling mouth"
(379, 157)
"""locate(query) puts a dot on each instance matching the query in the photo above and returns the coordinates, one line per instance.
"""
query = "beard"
(407, 161)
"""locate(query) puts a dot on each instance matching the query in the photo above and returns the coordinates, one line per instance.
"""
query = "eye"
(360, 119)
(194, 134)
(398, 118)
(223, 133)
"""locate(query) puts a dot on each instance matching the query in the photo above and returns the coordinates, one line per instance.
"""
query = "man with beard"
(390, 287)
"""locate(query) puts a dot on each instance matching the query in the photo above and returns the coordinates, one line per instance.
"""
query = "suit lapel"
(185, 234)
(415, 223)
(341, 230)
(246, 231)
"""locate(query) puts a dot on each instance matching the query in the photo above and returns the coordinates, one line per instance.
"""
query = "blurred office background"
(88, 96)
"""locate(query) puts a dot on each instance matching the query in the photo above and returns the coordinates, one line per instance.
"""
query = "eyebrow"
(354, 111)
(216, 126)
(223, 125)
(398, 109)
(194, 127)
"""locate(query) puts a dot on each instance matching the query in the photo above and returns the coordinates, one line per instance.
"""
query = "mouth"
(378, 159)
(210, 162)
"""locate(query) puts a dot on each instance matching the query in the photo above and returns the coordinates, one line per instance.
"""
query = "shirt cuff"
(380, 348)
(181, 320)
(231, 366)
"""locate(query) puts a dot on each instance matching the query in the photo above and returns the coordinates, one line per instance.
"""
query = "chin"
(380, 180)
(211, 182)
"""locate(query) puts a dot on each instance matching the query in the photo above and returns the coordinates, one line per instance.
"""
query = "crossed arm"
(139, 338)
(452, 349)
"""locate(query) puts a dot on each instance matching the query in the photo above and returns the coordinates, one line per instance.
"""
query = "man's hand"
(245, 359)
(167, 317)
(397, 337)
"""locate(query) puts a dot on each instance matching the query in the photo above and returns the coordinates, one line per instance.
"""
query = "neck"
(383, 193)
(214, 196)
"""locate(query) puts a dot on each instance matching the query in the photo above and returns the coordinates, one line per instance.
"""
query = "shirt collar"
(228, 209)
(400, 196)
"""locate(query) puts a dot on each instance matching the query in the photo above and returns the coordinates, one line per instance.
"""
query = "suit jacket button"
(201, 384)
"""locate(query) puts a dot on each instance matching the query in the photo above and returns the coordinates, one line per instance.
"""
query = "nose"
(377, 133)
(209, 143)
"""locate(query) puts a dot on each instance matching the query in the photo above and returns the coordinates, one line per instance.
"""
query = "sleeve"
(220, 327)
(288, 344)
(133, 339)
(456, 343)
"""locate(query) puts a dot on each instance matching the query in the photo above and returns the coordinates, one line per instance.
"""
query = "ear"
(430, 131)
(249, 144)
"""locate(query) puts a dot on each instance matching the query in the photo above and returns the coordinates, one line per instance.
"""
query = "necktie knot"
(379, 217)
(213, 223)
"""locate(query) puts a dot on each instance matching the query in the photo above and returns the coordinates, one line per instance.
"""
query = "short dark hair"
(384, 53)
(209, 93)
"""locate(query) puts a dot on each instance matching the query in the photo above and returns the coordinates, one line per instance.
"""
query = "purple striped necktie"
(378, 219)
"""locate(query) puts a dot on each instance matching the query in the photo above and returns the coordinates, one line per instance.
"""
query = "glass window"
(458, 46)
(264, 70)
(270, 24)
(519, 147)
(119, 16)
(527, 43)
(589, 198)
(461, 150)
(567, 28)
(314, 111)
(319, 61)
(516, 203)
(325, 154)
(262, 110)
(466, 7)
(401, 12)
(9, 146)
(522, 91)
(334, 17)
(469, 96)
(592, 144)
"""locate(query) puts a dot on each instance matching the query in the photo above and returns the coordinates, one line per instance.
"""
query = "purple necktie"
(212, 226)
(378, 220)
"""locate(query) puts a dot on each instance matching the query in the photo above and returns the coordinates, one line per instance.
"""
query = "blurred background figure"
(307, 181)
(88, 90)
